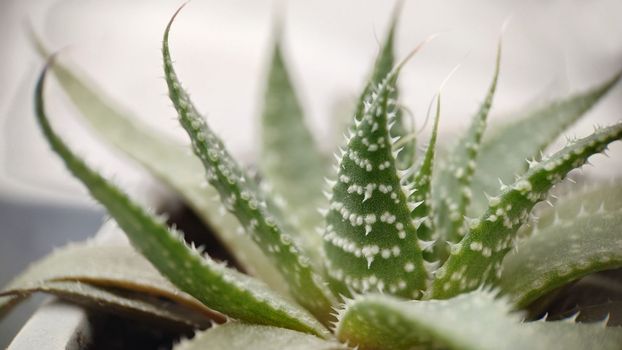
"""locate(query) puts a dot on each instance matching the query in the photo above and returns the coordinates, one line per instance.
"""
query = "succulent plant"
(407, 250)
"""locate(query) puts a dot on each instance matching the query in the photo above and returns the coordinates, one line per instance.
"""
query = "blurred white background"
(551, 48)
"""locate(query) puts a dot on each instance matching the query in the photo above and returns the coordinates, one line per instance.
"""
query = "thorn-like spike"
(370, 259)
(601, 208)
(331, 183)
(417, 222)
(431, 266)
(532, 163)
(426, 245)
(413, 205)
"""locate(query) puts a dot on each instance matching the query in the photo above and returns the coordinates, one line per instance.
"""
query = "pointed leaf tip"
(370, 238)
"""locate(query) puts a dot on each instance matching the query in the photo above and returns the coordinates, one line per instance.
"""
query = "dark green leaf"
(240, 196)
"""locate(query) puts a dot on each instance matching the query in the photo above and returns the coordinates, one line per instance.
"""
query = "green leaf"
(421, 184)
(218, 287)
(504, 150)
(386, 60)
(242, 336)
(241, 197)
(370, 239)
(166, 159)
(110, 266)
(477, 258)
(452, 186)
(293, 167)
(133, 304)
(578, 238)
(382, 67)
(473, 321)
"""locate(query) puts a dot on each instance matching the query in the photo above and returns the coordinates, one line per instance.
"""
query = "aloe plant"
(392, 261)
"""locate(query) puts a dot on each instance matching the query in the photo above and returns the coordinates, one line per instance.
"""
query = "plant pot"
(60, 324)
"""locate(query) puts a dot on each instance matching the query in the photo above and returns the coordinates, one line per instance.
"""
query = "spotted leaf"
(240, 196)
(370, 239)
(504, 150)
(215, 285)
(166, 159)
(452, 187)
(477, 258)
(421, 186)
(407, 148)
(382, 67)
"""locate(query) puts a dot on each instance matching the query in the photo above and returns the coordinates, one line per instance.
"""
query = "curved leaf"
(218, 287)
(107, 266)
(167, 160)
(505, 149)
(109, 300)
(473, 321)
(477, 258)
(240, 196)
(242, 336)
(577, 240)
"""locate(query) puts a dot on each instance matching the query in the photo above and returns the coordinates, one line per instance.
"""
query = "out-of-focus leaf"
(576, 238)
(293, 167)
(506, 148)
(240, 336)
(166, 159)
(477, 258)
(215, 285)
(472, 321)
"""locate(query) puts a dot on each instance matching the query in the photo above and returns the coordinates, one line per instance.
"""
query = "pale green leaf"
(472, 321)
(166, 159)
(421, 185)
(240, 336)
(577, 237)
(110, 266)
(218, 287)
(452, 192)
(505, 149)
(294, 169)
(477, 258)
(130, 303)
